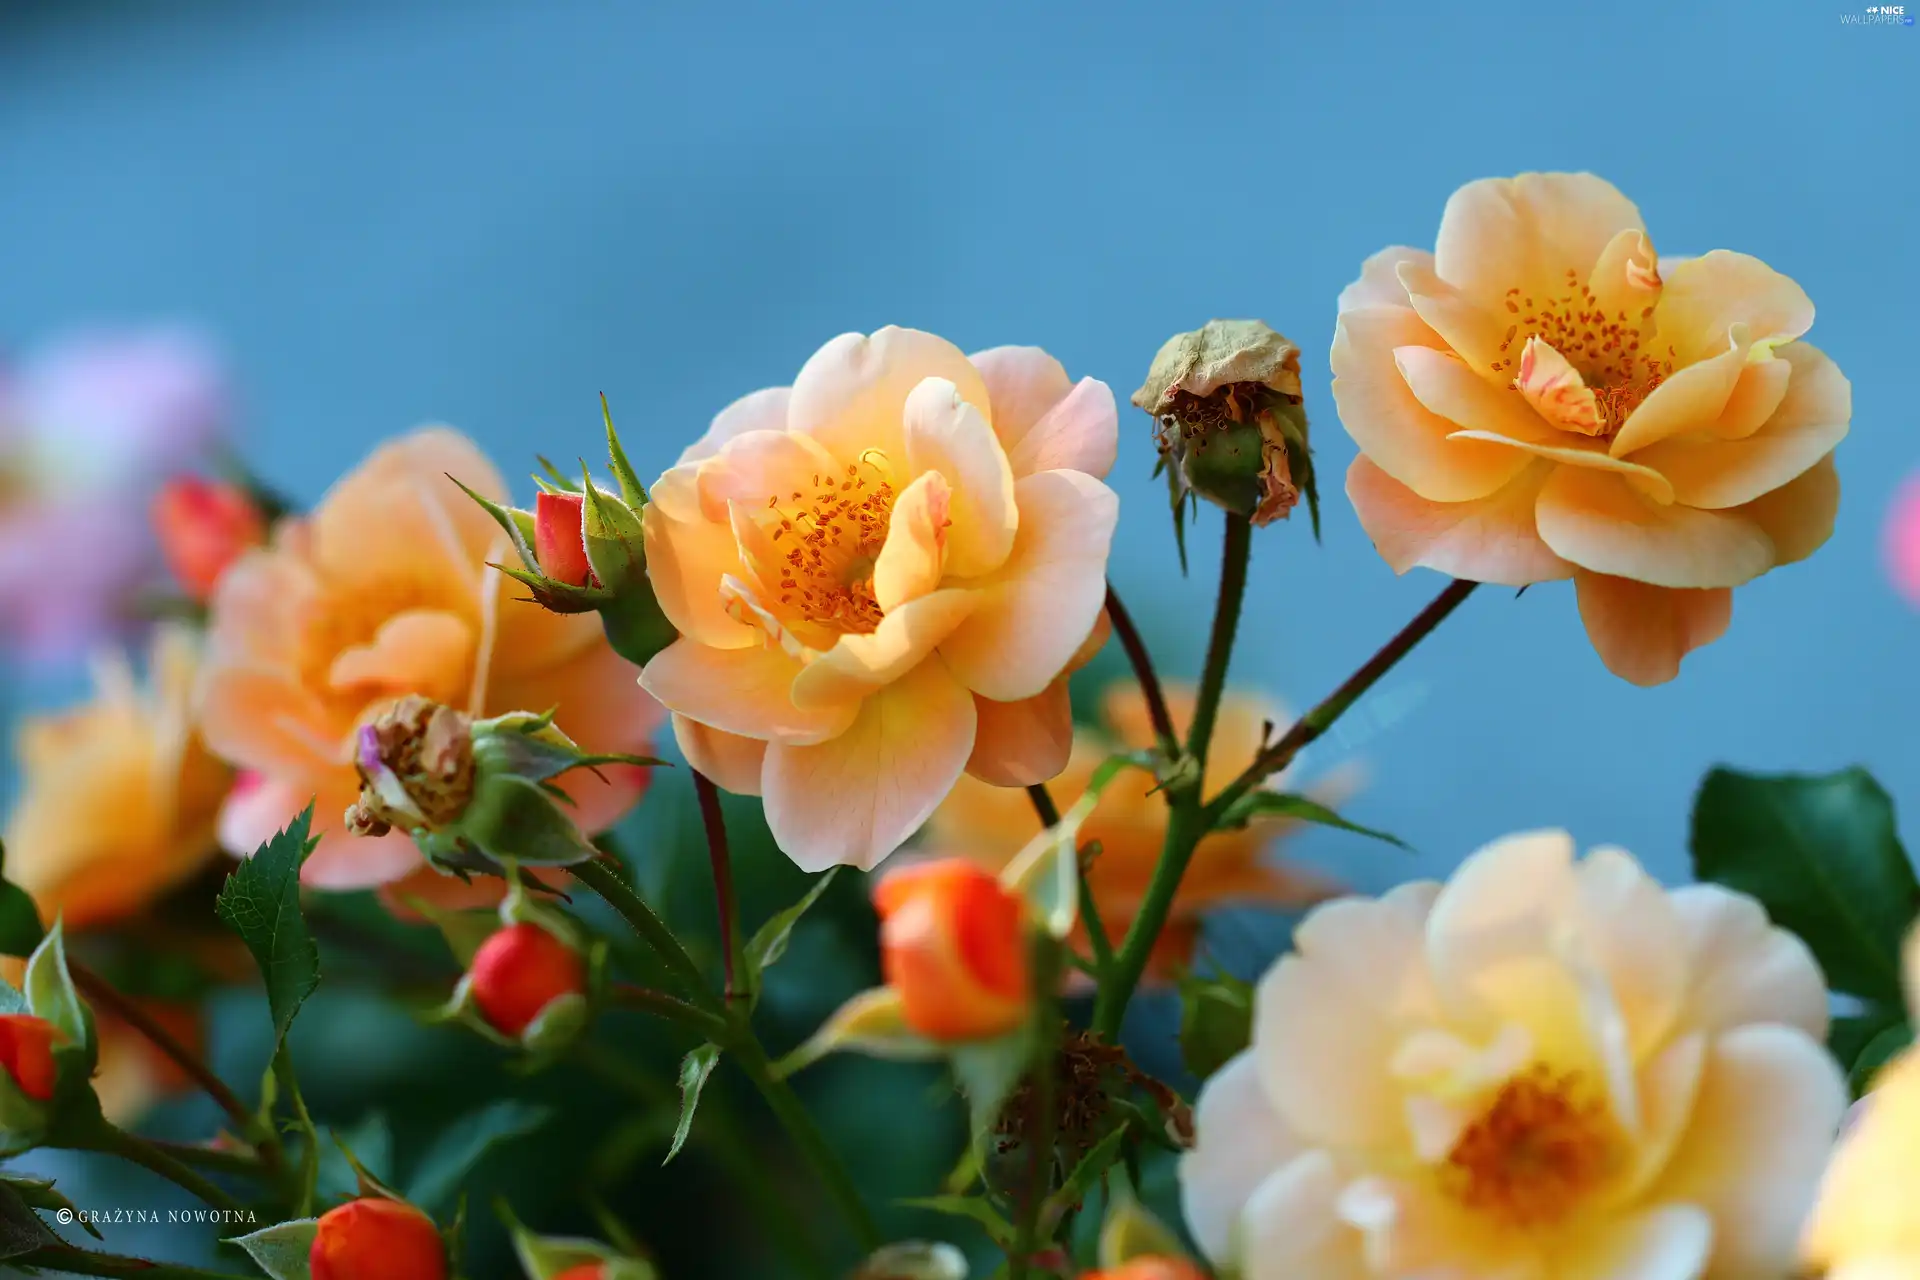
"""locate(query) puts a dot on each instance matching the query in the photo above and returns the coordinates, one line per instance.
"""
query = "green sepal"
(545, 1257)
(517, 524)
(518, 819)
(51, 994)
(285, 1250)
(39, 1193)
(464, 931)
(632, 492)
(874, 1023)
(695, 1068)
(556, 480)
(24, 1121)
(615, 538)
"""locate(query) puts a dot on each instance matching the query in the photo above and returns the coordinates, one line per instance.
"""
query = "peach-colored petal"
(1330, 1080)
(598, 702)
(859, 664)
(1080, 433)
(258, 808)
(1499, 911)
(733, 762)
(342, 862)
(530, 638)
(947, 434)
(1291, 1228)
(260, 610)
(1743, 969)
(1020, 743)
(1641, 632)
(1625, 282)
(1490, 539)
(1240, 1141)
(1705, 297)
(1528, 231)
(1691, 399)
(686, 559)
(1799, 515)
(417, 650)
(1810, 421)
(764, 410)
(744, 691)
(757, 465)
(268, 721)
(851, 394)
(1756, 396)
(1599, 522)
(1550, 385)
(1402, 436)
(856, 798)
(1482, 336)
(401, 501)
(914, 555)
(1567, 452)
(1631, 933)
(1763, 1127)
(1672, 1242)
(1379, 283)
(1023, 383)
(1444, 384)
(1035, 612)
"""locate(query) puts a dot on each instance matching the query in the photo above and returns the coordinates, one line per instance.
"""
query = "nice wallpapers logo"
(1880, 15)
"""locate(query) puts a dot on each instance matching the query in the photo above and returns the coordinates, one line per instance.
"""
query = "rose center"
(826, 539)
(1544, 1142)
(1610, 356)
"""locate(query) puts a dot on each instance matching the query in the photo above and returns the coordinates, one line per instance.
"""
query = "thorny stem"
(119, 1142)
(793, 1117)
(1143, 672)
(83, 1262)
(722, 859)
(1043, 1116)
(672, 1008)
(603, 880)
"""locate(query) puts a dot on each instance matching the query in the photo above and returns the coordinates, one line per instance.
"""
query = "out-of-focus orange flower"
(953, 946)
(203, 527)
(133, 1073)
(992, 824)
(386, 590)
(377, 1239)
(26, 1054)
(1150, 1269)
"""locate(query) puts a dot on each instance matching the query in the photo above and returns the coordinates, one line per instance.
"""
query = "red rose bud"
(1150, 1269)
(518, 972)
(558, 541)
(377, 1239)
(26, 1053)
(953, 945)
(203, 527)
(584, 1271)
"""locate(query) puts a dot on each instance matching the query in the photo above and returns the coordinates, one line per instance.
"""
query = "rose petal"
(1379, 283)
(731, 761)
(686, 560)
(1599, 522)
(1490, 539)
(1080, 433)
(851, 395)
(1023, 382)
(1291, 1228)
(946, 434)
(745, 691)
(757, 465)
(1641, 632)
(914, 555)
(859, 664)
(1669, 1243)
(1799, 515)
(1705, 297)
(764, 410)
(1239, 1142)
(1743, 969)
(1528, 231)
(1691, 399)
(1018, 744)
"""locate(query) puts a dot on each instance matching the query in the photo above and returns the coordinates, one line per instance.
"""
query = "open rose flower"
(385, 591)
(878, 575)
(1547, 1068)
(1539, 399)
(993, 824)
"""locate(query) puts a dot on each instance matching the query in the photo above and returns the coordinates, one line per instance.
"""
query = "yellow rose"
(1540, 399)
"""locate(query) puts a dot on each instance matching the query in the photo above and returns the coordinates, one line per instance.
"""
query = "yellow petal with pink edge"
(857, 665)
(1402, 436)
(1641, 631)
(947, 434)
(1037, 609)
(856, 798)
(1080, 433)
(745, 691)
(1528, 231)
(1704, 298)
(686, 560)
(914, 556)
(1018, 744)
(423, 651)
(764, 410)
(1489, 539)
(1600, 522)
(1799, 515)
(756, 466)
(851, 395)
(1810, 420)
(1023, 383)
(731, 761)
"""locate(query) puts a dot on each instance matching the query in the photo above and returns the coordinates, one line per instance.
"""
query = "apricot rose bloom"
(1540, 399)
(1867, 1223)
(878, 575)
(1545, 1068)
(993, 824)
(387, 590)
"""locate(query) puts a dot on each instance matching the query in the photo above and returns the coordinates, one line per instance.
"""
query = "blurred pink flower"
(1903, 540)
(89, 426)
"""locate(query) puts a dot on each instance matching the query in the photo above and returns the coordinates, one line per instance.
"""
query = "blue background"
(485, 213)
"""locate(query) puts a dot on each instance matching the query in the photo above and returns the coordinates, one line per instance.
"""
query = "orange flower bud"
(585, 1271)
(377, 1239)
(558, 541)
(521, 970)
(26, 1053)
(953, 944)
(1150, 1269)
(204, 526)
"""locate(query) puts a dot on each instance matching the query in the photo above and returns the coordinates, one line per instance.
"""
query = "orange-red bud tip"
(26, 1053)
(953, 945)
(203, 527)
(377, 1239)
(1150, 1269)
(584, 1271)
(558, 540)
(521, 970)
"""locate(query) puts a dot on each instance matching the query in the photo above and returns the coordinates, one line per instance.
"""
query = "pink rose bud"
(558, 541)
(518, 972)
(203, 527)
(26, 1053)
(377, 1239)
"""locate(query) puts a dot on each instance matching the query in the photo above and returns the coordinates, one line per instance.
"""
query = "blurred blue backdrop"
(486, 213)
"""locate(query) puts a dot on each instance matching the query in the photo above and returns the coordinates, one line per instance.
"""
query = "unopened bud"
(1150, 1269)
(1231, 425)
(26, 1054)
(377, 1239)
(203, 527)
(520, 971)
(585, 1271)
(953, 945)
(559, 541)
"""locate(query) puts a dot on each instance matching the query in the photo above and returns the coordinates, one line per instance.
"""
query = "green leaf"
(20, 930)
(261, 902)
(973, 1208)
(365, 1150)
(1821, 855)
(1087, 1174)
(437, 1178)
(694, 1070)
(1282, 804)
(21, 1230)
(1216, 1021)
(283, 1251)
(631, 490)
(1849, 1035)
(770, 941)
(1880, 1050)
